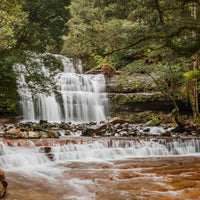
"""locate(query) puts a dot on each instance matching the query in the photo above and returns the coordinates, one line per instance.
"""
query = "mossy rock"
(154, 122)
(37, 128)
(166, 134)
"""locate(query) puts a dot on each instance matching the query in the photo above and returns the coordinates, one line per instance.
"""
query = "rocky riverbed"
(115, 127)
(139, 178)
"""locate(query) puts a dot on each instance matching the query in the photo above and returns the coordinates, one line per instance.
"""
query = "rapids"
(96, 169)
(30, 155)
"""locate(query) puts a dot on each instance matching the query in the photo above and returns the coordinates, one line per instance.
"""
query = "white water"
(33, 159)
(79, 97)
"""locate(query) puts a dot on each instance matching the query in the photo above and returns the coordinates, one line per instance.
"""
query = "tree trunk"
(193, 89)
(175, 111)
(193, 92)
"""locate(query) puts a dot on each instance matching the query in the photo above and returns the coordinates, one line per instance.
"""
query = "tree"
(46, 24)
(12, 17)
(138, 29)
(28, 26)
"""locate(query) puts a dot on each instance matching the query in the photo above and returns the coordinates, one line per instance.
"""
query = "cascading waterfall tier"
(79, 97)
(32, 156)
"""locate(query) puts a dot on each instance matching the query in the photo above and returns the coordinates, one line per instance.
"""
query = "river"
(101, 169)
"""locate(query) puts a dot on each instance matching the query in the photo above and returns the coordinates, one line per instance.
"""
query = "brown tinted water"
(155, 178)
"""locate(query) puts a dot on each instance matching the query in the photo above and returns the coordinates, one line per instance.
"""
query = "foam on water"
(35, 159)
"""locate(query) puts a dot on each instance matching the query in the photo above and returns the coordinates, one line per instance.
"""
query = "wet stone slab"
(172, 178)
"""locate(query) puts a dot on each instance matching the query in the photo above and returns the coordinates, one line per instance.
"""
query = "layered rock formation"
(137, 99)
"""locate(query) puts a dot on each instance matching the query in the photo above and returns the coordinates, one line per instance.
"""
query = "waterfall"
(78, 97)
(30, 156)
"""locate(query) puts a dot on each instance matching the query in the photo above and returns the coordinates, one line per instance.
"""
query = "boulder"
(25, 135)
(3, 184)
(95, 130)
(146, 130)
(33, 135)
(37, 128)
(53, 134)
(116, 120)
(43, 122)
(13, 134)
(124, 133)
(67, 132)
(44, 135)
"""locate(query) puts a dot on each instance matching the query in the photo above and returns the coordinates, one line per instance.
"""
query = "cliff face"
(137, 99)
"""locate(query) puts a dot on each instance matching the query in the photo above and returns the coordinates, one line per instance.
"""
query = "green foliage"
(8, 89)
(12, 17)
(29, 26)
(192, 75)
(97, 26)
(46, 24)
(131, 30)
(35, 75)
(8, 104)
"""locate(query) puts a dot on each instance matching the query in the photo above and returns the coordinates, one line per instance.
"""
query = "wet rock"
(166, 134)
(95, 130)
(125, 125)
(44, 134)
(50, 156)
(67, 132)
(93, 123)
(25, 134)
(116, 120)
(80, 127)
(45, 150)
(53, 134)
(90, 131)
(3, 184)
(65, 126)
(33, 135)
(118, 130)
(118, 126)
(193, 133)
(13, 134)
(43, 122)
(146, 130)
(96, 136)
(124, 133)
(132, 134)
(37, 128)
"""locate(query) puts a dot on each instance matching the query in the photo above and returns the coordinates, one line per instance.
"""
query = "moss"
(134, 78)
(106, 66)
(140, 117)
(37, 128)
(155, 121)
(166, 134)
(117, 101)
(8, 105)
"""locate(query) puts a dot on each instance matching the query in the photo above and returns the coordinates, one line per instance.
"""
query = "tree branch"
(156, 36)
(159, 12)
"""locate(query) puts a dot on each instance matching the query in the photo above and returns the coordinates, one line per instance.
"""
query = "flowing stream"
(79, 97)
(83, 168)
(31, 155)
(94, 169)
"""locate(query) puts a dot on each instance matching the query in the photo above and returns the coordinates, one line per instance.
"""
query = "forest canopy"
(27, 26)
(156, 31)
(165, 33)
